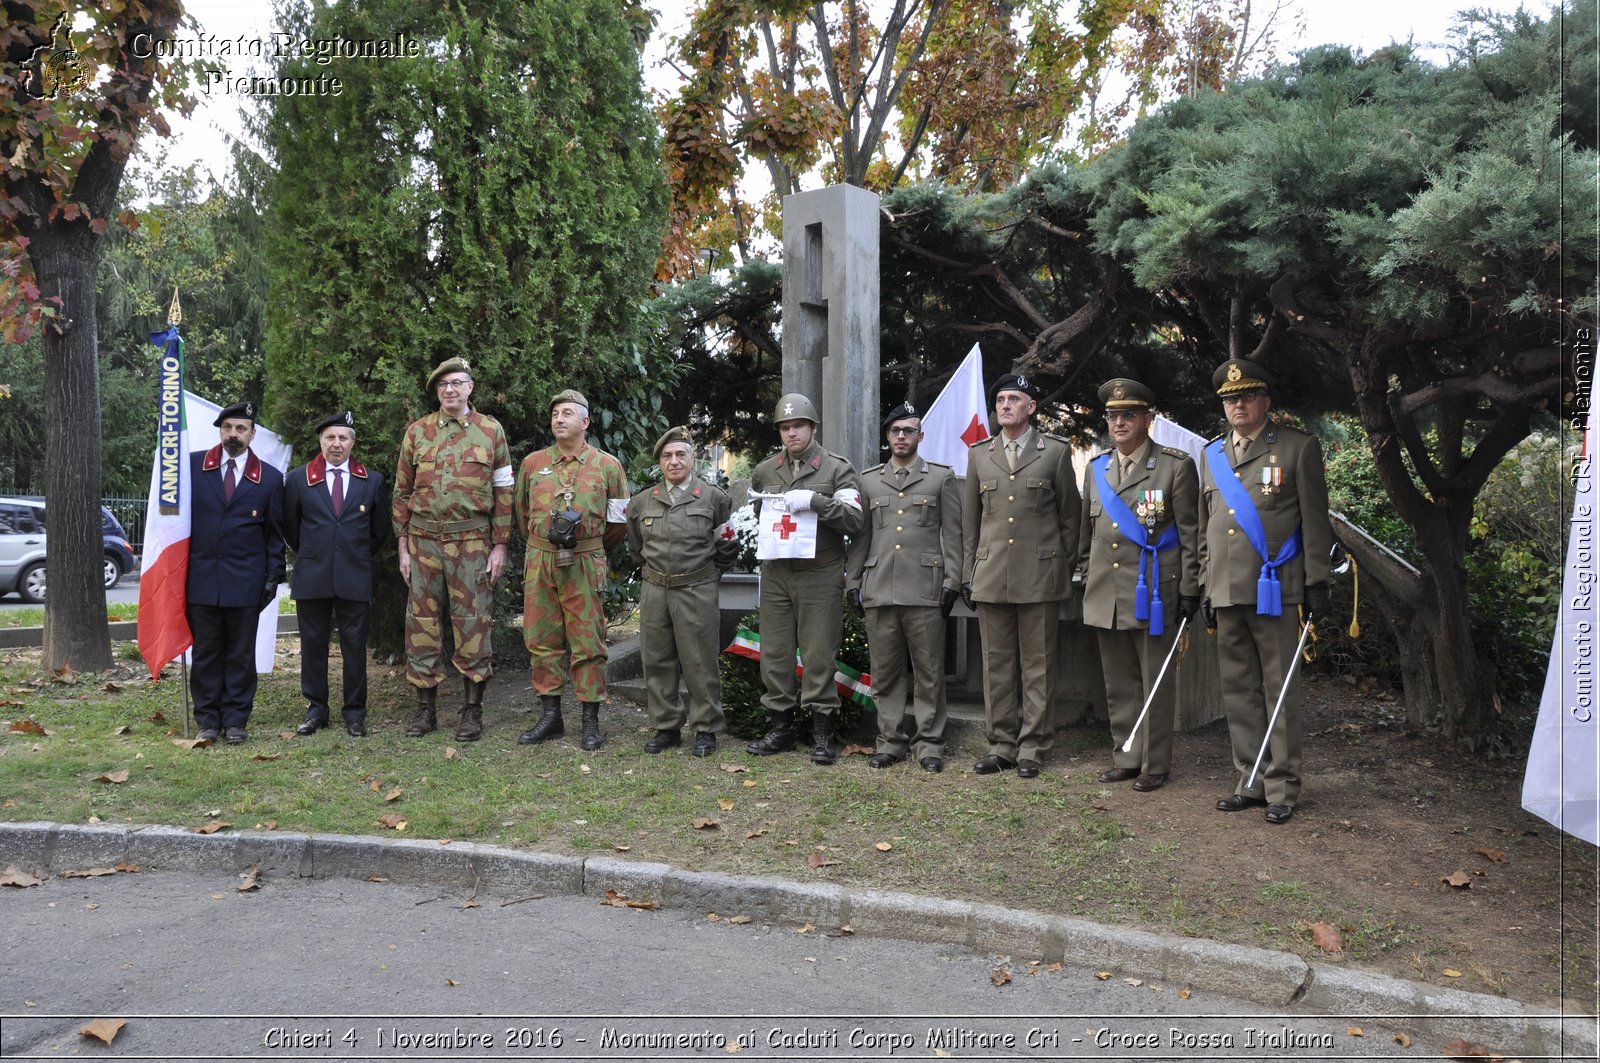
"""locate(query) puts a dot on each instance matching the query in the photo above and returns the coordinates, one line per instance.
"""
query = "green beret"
(569, 395)
(679, 434)
(1240, 374)
(449, 365)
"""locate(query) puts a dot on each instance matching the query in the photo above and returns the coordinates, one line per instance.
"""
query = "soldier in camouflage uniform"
(802, 600)
(570, 505)
(452, 516)
(679, 529)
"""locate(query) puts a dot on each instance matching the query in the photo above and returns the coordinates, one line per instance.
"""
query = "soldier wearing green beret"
(1265, 543)
(570, 505)
(679, 530)
(1139, 551)
(452, 518)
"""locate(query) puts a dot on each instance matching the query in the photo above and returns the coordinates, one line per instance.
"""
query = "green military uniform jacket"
(1297, 497)
(1019, 527)
(1110, 561)
(454, 479)
(683, 538)
(836, 498)
(910, 549)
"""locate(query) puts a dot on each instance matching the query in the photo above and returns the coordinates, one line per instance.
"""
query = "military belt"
(416, 525)
(585, 546)
(680, 579)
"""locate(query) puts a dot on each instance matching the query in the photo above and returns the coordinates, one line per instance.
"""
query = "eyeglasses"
(902, 430)
(1123, 415)
(454, 385)
(1241, 400)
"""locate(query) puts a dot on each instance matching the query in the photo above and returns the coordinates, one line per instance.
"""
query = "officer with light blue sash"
(1139, 553)
(1264, 556)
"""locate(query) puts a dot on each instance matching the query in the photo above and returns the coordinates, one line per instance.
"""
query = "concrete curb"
(1273, 979)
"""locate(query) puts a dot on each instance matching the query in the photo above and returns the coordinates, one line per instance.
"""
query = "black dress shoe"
(1239, 802)
(664, 739)
(1145, 783)
(993, 764)
(1027, 769)
(1280, 813)
(207, 734)
(882, 760)
(356, 728)
(1117, 774)
(235, 735)
(311, 726)
(933, 764)
(705, 744)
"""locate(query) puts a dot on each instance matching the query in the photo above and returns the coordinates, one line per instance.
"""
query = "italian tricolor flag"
(164, 580)
(854, 685)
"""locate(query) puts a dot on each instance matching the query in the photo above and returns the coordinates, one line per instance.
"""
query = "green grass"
(34, 616)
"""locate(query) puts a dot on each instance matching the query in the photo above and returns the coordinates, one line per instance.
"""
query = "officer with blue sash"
(1264, 555)
(1139, 551)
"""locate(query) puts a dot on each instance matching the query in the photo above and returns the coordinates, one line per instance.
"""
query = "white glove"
(798, 500)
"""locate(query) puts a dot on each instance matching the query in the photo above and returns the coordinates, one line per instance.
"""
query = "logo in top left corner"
(55, 70)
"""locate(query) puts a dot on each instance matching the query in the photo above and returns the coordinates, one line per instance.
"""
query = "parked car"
(22, 548)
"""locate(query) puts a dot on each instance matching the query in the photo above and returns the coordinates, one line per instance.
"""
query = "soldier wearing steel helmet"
(1264, 548)
(802, 600)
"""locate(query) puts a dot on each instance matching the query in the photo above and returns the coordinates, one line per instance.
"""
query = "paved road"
(125, 591)
(345, 969)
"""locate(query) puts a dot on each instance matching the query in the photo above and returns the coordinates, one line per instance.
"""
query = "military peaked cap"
(1123, 393)
(1240, 374)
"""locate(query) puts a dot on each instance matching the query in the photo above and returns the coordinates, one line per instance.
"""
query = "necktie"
(1012, 449)
(1126, 472)
(228, 483)
(900, 477)
(1240, 450)
(338, 492)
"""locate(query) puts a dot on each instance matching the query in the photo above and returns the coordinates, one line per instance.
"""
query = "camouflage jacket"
(598, 485)
(454, 480)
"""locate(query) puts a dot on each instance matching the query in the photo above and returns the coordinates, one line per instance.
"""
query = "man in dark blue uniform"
(235, 566)
(335, 516)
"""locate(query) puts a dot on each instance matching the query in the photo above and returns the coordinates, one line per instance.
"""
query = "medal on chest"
(1150, 508)
(1271, 479)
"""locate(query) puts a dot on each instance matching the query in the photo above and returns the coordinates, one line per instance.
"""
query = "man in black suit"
(235, 566)
(336, 515)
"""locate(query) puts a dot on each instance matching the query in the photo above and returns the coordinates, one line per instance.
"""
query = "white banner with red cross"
(782, 535)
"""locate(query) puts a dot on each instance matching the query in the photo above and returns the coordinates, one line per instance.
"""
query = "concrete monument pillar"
(830, 314)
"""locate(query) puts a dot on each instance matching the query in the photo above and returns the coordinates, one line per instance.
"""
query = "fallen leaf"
(1054, 968)
(622, 848)
(27, 727)
(105, 1030)
(614, 899)
(377, 878)
(1460, 880)
(470, 902)
(270, 824)
(191, 743)
(1185, 993)
(703, 823)
(791, 841)
(818, 860)
(249, 879)
(584, 769)
(740, 920)
(91, 907)
(89, 872)
(375, 785)
(1461, 1049)
(157, 717)
(749, 834)
(883, 847)
(726, 804)
(216, 896)
(1326, 937)
(451, 982)
(15, 876)
(128, 869)
(1402, 1040)
(852, 749)
(1135, 982)
(1102, 975)
(451, 753)
(64, 675)
(212, 827)
(808, 928)
(1355, 1031)
(732, 769)
(123, 730)
(713, 917)
(1494, 856)
(266, 756)
(113, 777)
(1000, 976)
(393, 795)
(748, 783)
(392, 820)
(112, 688)
(1451, 972)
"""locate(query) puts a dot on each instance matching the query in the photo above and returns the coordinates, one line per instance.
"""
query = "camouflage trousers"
(561, 617)
(449, 576)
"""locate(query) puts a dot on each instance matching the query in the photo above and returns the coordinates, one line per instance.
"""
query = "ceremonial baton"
(1287, 679)
(1127, 747)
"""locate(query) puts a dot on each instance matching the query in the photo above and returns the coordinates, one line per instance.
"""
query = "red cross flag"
(781, 534)
(958, 418)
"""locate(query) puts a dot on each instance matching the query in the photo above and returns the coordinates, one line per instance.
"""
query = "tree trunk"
(1465, 694)
(75, 629)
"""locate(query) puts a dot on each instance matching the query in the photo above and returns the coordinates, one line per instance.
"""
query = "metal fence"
(130, 514)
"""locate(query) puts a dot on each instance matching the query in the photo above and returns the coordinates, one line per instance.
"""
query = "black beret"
(244, 411)
(1015, 382)
(900, 413)
(338, 420)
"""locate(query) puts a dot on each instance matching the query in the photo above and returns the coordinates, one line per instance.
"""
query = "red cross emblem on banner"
(785, 526)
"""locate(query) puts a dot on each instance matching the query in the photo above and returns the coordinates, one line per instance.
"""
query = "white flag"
(958, 418)
(1562, 780)
(785, 535)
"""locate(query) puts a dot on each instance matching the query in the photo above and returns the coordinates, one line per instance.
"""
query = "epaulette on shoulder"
(1214, 438)
(985, 441)
(940, 465)
(1175, 452)
(875, 468)
(1059, 439)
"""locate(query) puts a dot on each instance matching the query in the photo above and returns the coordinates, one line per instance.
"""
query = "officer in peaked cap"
(1019, 529)
(904, 574)
(235, 566)
(336, 515)
(1139, 551)
(800, 596)
(1261, 484)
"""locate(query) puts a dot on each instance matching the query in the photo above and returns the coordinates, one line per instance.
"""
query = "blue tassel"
(1158, 616)
(1141, 599)
(1264, 593)
(1277, 595)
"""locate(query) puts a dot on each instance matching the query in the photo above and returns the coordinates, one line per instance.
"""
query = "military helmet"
(795, 407)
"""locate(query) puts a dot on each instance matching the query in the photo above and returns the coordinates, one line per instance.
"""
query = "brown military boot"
(591, 725)
(780, 739)
(426, 720)
(549, 725)
(470, 729)
(822, 751)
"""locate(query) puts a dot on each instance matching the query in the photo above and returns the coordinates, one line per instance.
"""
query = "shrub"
(742, 688)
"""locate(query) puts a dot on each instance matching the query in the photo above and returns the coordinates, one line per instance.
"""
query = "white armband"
(503, 477)
(616, 511)
(850, 497)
